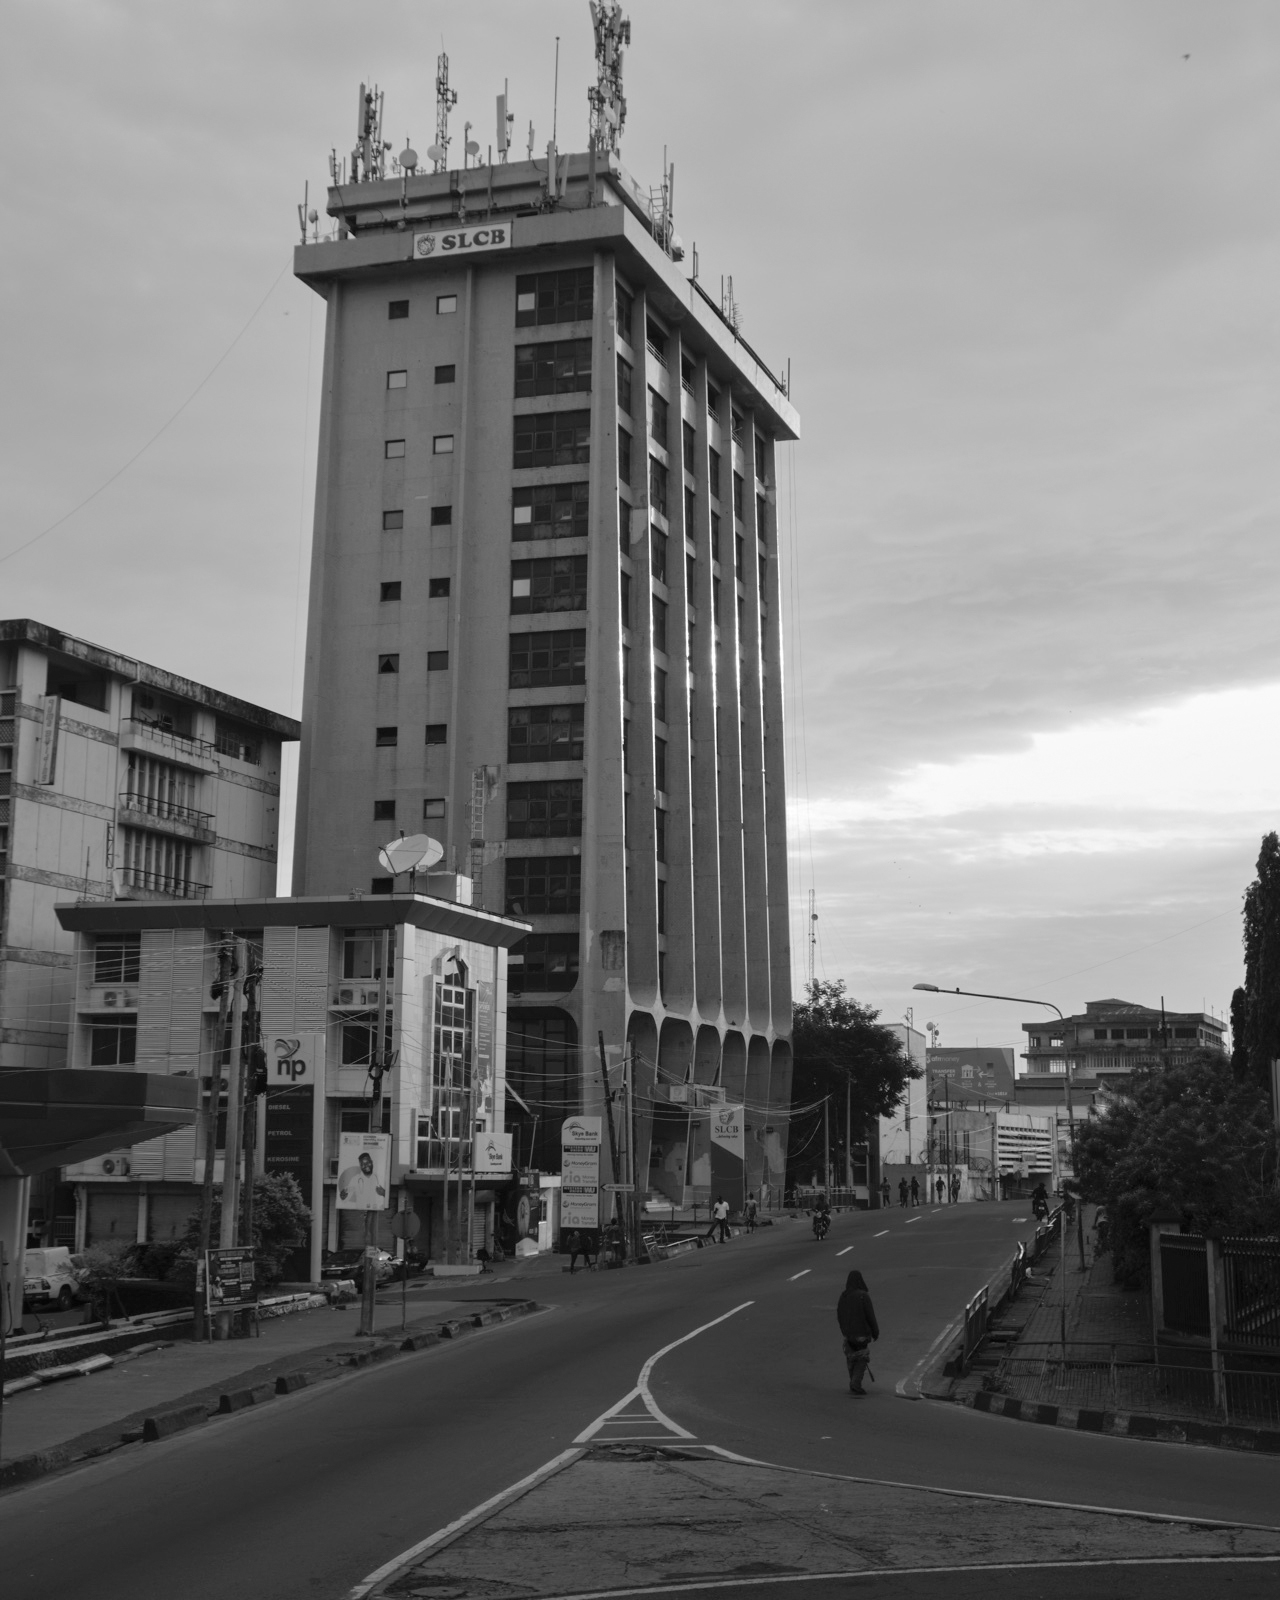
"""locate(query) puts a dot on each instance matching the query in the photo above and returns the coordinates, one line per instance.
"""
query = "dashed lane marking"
(881, 1234)
(910, 1220)
(847, 1249)
(796, 1275)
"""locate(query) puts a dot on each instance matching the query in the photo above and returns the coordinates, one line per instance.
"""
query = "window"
(657, 486)
(552, 439)
(624, 305)
(713, 402)
(441, 516)
(689, 521)
(384, 811)
(624, 456)
(549, 511)
(390, 591)
(762, 563)
(660, 764)
(446, 304)
(715, 600)
(389, 663)
(376, 886)
(548, 810)
(544, 733)
(155, 861)
(117, 958)
(662, 905)
(762, 508)
(1056, 1044)
(437, 661)
(659, 624)
(626, 767)
(1057, 1064)
(393, 450)
(545, 297)
(715, 536)
(551, 583)
(562, 367)
(442, 444)
(656, 341)
(438, 589)
(658, 547)
(397, 309)
(362, 955)
(659, 694)
(690, 577)
(658, 416)
(624, 525)
(387, 736)
(398, 379)
(625, 586)
(447, 373)
(713, 472)
(739, 550)
(113, 1043)
(624, 385)
(660, 833)
(437, 733)
(543, 885)
(433, 809)
(737, 496)
(1129, 1033)
(392, 520)
(689, 440)
(539, 660)
(736, 426)
(759, 455)
(626, 672)
(686, 374)
(1184, 1033)
(543, 961)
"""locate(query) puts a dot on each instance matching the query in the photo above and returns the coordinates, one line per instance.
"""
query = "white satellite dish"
(409, 158)
(414, 854)
(473, 149)
(435, 153)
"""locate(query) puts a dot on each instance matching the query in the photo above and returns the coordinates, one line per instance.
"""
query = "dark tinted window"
(544, 733)
(548, 810)
(538, 660)
(563, 367)
(554, 297)
(446, 374)
(543, 961)
(543, 885)
(552, 439)
(549, 511)
(552, 583)
(397, 308)
(438, 589)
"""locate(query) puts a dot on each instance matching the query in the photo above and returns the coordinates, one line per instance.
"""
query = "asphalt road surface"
(310, 1495)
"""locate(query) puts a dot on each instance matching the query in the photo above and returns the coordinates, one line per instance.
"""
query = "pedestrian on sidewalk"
(902, 1192)
(955, 1188)
(579, 1245)
(915, 1191)
(749, 1213)
(885, 1193)
(857, 1318)
(719, 1219)
(939, 1188)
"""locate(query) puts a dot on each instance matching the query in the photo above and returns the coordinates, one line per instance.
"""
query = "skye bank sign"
(462, 241)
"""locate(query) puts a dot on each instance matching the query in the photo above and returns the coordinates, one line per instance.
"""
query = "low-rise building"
(1110, 1038)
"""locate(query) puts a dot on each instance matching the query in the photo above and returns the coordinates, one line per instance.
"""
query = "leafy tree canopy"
(1191, 1136)
(280, 1221)
(840, 1047)
(1255, 1013)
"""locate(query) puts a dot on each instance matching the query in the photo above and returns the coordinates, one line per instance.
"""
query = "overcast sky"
(1024, 260)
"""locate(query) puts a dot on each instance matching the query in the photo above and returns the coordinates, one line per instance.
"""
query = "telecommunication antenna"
(607, 102)
(411, 855)
(813, 936)
(505, 119)
(446, 99)
(369, 156)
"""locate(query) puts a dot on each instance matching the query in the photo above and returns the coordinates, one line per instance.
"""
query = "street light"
(1019, 1000)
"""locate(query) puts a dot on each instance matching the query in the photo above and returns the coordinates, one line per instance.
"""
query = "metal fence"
(1251, 1278)
(1184, 1276)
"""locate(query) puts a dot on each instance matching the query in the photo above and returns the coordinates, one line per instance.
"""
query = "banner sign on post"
(580, 1172)
(728, 1155)
(229, 1279)
(364, 1171)
(493, 1153)
(294, 1059)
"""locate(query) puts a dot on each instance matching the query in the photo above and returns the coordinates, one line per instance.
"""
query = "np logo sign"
(294, 1060)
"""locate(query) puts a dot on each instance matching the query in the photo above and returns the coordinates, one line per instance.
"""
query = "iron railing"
(154, 806)
(1184, 1277)
(1251, 1277)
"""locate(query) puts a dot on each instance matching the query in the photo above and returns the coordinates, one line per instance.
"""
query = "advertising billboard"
(580, 1139)
(364, 1171)
(728, 1155)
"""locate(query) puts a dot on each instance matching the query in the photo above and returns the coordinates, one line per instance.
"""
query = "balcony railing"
(153, 806)
(165, 735)
(163, 883)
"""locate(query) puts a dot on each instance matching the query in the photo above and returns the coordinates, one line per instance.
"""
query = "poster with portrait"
(364, 1171)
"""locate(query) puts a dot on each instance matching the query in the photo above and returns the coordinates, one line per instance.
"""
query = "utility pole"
(608, 1118)
(826, 1146)
(222, 994)
(377, 1066)
(230, 1216)
(255, 1085)
(848, 1133)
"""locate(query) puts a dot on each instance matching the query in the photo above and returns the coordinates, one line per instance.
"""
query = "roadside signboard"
(580, 1139)
(229, 1279)
(492, 1153)
(294, 1059)
(364, 1171)
(728, 1155)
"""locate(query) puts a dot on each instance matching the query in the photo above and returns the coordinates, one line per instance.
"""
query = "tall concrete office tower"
(544, 628)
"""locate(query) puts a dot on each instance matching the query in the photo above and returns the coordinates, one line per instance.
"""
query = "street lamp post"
(1020, 1000)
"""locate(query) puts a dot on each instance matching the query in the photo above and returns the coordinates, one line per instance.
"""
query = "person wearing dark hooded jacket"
(858, 1324)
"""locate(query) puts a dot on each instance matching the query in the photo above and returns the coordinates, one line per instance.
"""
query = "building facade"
(1111, 1037)
(319, 970)
(118, 781)
(544, 629)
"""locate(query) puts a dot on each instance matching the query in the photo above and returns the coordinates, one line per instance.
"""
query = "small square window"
(438, 589)
(437, 661)
(388, 663)
(398, 380)
(522, 514)
(519, 588)
(393, 450)
(432, 809)
(446, 304)
(390, 591)
(441, 445)
(397, 309)
(526, 302)
(384, 811)
(386, 736)
(441, 516)
(446, 374)
(437, 732)
(392, 520)
(381, 885)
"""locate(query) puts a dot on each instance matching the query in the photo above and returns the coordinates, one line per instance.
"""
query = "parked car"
(49, 1277)
(339, 1264)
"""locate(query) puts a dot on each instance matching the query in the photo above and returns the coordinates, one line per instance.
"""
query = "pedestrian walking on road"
(955, 1189)
(885, 1192)
(902, 1192)
(579, 1245)
(720, 1219)
(939, 1188)
(857, 1319)
(915, 1191)
(749, 1213)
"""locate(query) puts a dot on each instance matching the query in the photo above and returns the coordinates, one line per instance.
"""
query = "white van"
(49, 1277)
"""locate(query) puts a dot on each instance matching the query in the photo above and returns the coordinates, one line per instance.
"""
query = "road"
(306, 1497)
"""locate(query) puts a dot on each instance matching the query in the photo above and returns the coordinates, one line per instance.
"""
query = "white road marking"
(901, 1386)
(845, 1251)
(1022, 1219)
(796, 1275)
(910, 1220)
(935, 1211)
(881, 1234)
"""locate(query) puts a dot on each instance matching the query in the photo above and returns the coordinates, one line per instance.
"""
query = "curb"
(166, 1423)
(1125, 1424)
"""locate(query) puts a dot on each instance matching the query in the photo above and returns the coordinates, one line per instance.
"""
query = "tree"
(1191, 1135)
(841, 1051)
(280, 1222)
(1260, 1004)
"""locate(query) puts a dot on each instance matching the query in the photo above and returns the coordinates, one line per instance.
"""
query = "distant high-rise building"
(544, 629)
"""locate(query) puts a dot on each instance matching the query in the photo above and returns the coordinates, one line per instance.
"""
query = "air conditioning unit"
(678, 1094)
(346, 997)
(115, 1166)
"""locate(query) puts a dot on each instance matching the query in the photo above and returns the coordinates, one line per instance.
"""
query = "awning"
(53, 1117)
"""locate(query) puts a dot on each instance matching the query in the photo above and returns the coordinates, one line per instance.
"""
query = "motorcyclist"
(821, 1217)
(1040, 1200)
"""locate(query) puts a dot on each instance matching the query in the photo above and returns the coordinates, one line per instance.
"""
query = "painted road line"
(845, 1251)
(881, 1234)
(912, 1377)
(1022, 1219)
(910, 1220)
(796, 1275)
(935, 1211)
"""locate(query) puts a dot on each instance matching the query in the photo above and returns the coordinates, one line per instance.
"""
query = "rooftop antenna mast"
(607, 102)
(369, 156)
(446, 99)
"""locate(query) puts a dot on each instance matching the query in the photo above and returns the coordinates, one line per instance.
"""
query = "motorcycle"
(1040, 1209)
(821, 1224)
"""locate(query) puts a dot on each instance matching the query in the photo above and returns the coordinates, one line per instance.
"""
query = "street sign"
(229, 1279)
(619, 1188)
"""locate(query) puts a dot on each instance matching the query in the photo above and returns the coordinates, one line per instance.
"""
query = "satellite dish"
(408, 158)
(410, 855)
(435, 153)
(473, 149)
(313, 216)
